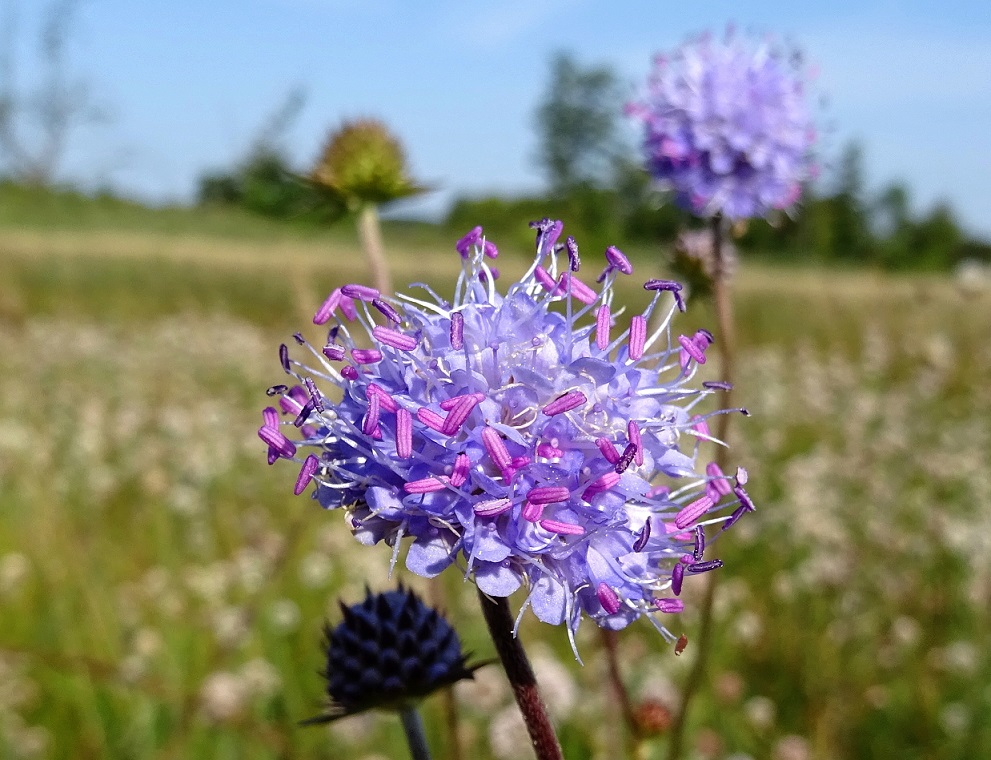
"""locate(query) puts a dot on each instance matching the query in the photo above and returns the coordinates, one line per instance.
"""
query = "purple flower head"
(727, 127)
(536, 438)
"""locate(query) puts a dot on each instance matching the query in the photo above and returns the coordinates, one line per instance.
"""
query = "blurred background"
(163, 227)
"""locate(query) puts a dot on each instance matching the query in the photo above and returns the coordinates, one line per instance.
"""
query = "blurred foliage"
(842, 225)
(266, 184)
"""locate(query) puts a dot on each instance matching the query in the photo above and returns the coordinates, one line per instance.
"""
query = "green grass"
(150, 563)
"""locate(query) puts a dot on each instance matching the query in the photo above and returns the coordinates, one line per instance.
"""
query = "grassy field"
(162, 592)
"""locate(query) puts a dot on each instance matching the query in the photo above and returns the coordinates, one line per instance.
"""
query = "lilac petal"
(429, 557)
(548, 600)
(495, 579)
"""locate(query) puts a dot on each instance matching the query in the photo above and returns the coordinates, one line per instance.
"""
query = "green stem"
(521, 678)
(415, 736)
(726, 342)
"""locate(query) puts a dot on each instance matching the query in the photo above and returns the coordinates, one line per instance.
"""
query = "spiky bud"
(388, 652)
(363, 162)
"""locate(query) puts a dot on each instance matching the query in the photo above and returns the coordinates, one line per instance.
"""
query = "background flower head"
(536, 438)
(727, 125)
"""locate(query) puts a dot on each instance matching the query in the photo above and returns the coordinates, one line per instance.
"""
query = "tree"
(35, 126)
(577, 125)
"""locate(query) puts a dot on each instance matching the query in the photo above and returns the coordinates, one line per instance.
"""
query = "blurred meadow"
(162, 592)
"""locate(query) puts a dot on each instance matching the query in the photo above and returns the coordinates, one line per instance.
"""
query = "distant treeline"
(845, 226)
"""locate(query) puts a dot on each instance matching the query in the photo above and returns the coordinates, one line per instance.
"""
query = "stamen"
(602, 324)
(574, 262)
(677, 578)
(565, 403)
(548, 282)
(617, 259)
(371, 422)
(490, 250)
(633, 432)
(670, 285)
(449, 403)
(732, 519)
(348, 308)
(298, 337)
(548, 494)
(349, 373)
(608, 598)
(270, 415)
(531, 511)
(385, 399)
(361, 292)
(404, 433)
(284, 357)
(638, 336)
(276, 390)
(306, 472)
(457, 331)
(492, 507)
(394, 338)
(547, 451)
(744, 498)
(717, 385)
(692, 349)
(315, 394)
(689, 514)
(366, 355)
(704, 567)
(387, 309)
(604, 483)
(277, 441)
(681, 644)
(496, 448)
(562, 528)
(699, 543)
(642, 537)
(463, 246)
(579, 289)
(430, 418)
(627, 459)
(457, 416)
(427, 485)
(719, 481)
(608, 449)
(459, 474)
(334, 352)
(304, 413)
(326, 310)
(669, 605)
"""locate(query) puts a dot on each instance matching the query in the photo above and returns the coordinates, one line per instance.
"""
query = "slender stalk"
(415, 736)
(455, 748)
(634, 737)
(370, 235)
(726, 343)
(521, 678)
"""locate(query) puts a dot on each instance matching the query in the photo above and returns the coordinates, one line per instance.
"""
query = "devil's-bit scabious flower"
(389, 651)
(537, 438)
(727, 126)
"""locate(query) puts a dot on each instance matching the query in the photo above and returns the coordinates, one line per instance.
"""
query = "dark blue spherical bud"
(389, 651)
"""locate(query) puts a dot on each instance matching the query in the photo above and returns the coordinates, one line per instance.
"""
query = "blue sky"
(188, 84)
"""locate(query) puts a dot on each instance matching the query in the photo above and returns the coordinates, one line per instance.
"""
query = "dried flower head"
(535, 437)
(363, 162)
(727, 127)
(389, 651)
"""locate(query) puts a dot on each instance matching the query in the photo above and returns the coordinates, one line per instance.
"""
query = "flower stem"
(634, 737)
(415, 736)
(370, 235)
(521, 677)
(724, 316)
